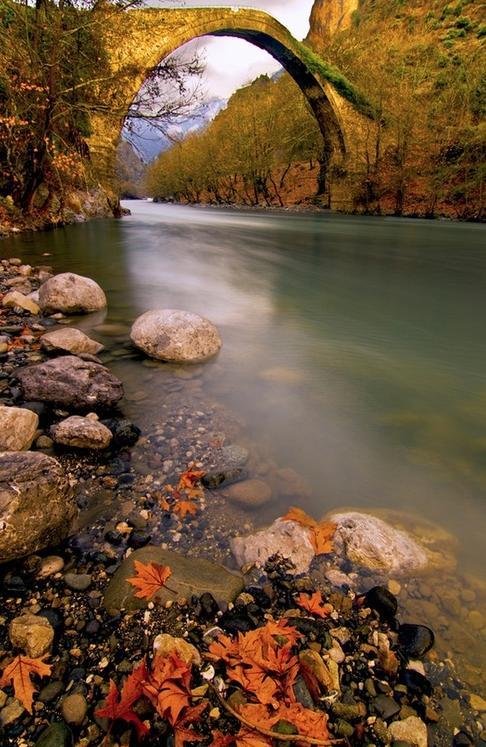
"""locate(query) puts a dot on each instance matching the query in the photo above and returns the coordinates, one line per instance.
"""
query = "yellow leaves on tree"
(314, 603)
(320, 533)
(18, 674)
(149, 579)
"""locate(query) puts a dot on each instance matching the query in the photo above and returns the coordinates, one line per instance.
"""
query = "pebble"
(56, 735)
(50, 565)
(78, 581)
(415, 640)
(477, 703)
(394, 587)
(386, 706)
(51, 691)
(74, 708)
(34, 634)
(11, 712)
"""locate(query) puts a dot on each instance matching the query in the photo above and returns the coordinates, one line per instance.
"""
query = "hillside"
(421, 64)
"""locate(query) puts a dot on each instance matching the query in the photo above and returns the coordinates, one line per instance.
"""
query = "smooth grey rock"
(71, 382)
(56, 735)
(82, 433)
(17, 428)
(70, 340)
(74, 709)
(189, 576)
(71, 294)
(174, 335)
(288, 538)
(36, 503)
(78, 581)
(367, 541)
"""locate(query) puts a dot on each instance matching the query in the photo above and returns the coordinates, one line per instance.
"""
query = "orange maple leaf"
(221, 740)
(182, 729)
(149, 579)
(182, 508)
(314, 603)
(168, 686)
(299, 516)
(19, 672)
(189, 478)
(119, 707)
(321, 537)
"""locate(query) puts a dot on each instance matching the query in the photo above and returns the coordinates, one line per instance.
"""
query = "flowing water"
(354, 348)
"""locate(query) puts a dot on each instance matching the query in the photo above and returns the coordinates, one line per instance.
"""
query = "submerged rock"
(174, 335)
(411, 730)
(70, 340)
(189, 576)
(82, 433)
(71, 382)
(288, 538)
(71, 294)
(371, 543)
(415, 640)
(36, 504)
(17, 428)
(250, 493)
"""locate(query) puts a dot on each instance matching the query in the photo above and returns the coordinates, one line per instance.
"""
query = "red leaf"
(150, 578)
(314, 603)
(120, 707)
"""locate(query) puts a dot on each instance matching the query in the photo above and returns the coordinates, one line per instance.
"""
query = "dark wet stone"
(386, 706)
(302, 694)
(56, 735)
(14, 583)
(223, 477)
(344, 728)
(77, 674)
(415, 640)
(415, 682)
(54, 617)
(93, 627)
(237, 621)
(207, 607)
(125, 433)
(260, 596)
(114, 538)
(139, 538)
(77, 581)
(38, 407)
(401, 743)
(461, 739)
(382, 601)
(51, 691)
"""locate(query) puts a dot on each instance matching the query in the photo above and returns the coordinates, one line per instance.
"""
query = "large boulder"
(369, 542)
(70, 382)
(177, 336)
(189, 576)
(71, 294)
(17, 428)
(36, 504)
(287, 538)
(70, 340)
(82, 433)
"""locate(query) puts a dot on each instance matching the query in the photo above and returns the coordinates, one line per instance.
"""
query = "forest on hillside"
(423, 67)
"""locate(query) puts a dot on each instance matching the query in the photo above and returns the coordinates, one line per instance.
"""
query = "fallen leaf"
(182, 508)
(168, 686)
(182, 729)
(299, 516)
(314, 603)
(321, 537)
(149, 579)
(120, 707)
(19, 672)
(221, 740)
(189, 478)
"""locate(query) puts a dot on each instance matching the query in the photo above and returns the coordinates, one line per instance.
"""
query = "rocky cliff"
(329, 16)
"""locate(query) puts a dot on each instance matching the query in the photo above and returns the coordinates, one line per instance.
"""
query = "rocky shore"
(332, 643)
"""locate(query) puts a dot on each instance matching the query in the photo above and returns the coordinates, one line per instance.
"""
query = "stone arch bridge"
(136, 41)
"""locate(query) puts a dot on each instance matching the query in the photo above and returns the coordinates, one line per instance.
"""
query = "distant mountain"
(148, 141)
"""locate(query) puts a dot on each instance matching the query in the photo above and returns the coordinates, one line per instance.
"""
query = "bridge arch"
(138, 40)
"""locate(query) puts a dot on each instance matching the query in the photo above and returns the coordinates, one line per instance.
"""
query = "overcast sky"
(231, 63)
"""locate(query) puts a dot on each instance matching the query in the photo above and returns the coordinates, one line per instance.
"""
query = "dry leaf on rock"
(150, 578)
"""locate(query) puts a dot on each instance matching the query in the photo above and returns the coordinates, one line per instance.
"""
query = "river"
(354, 353)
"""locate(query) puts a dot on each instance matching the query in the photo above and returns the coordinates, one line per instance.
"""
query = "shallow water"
(354, 348)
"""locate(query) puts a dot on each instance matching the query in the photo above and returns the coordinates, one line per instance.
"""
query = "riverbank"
(354, 665)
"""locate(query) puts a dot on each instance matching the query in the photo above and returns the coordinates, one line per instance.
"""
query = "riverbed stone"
(70, 382)
(70, 340)
(166, 644)
(189, 576)
(175, 335)
(71, 294)
(82, 433)
(74, 709)
(288, 538)
(15, 299)
(411, 730)
(371, 543)
(415, 640)
(17, 428)
(55, 735)
(250, 493)
(32, 633)
(36, 503)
